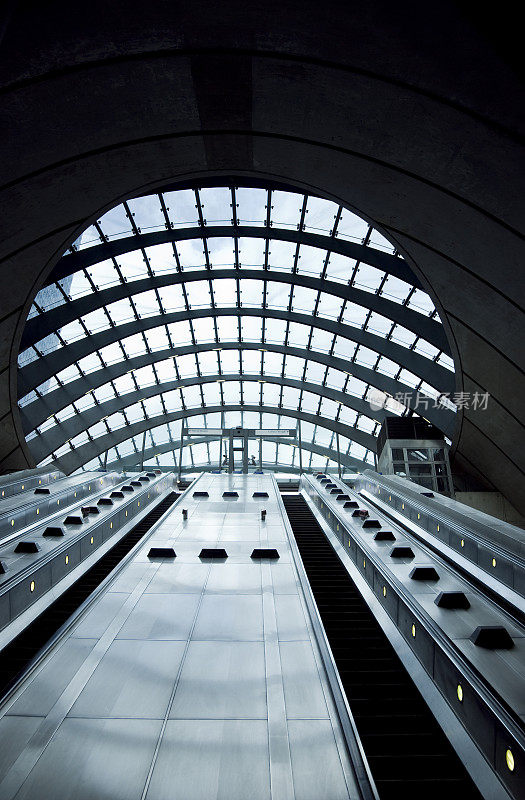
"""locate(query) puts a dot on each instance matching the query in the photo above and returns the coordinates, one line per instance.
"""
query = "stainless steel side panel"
(187, 679)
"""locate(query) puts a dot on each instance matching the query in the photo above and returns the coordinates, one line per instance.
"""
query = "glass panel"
(133, 266)
(320, 215)
(182, 208)
(354, 315)
(157, 339)
(204, 329)
(161, 258)
(96, 321)
(421, 454)
(380, 243)
(278, 295)
(224, 293)
(420, 469)
(329, 306)
(281, 255)
(420, 301)
(396, 289)
(147, 213)
(221, 252)
(286, 209)
(115, 223)
(191, 254)
(352, 227)
(251, 329)
(340, 268)
(172, 298)
(368, 278)
(146, 304)
(321, 340)
(251, 206)
(216, 205)
(311, 260)
(251, 293)
(251, 252)
(198, 293)
(304, 300)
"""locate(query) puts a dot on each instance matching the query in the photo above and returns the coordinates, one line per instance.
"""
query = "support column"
(300, 446)
(142, 451)
(180, 450)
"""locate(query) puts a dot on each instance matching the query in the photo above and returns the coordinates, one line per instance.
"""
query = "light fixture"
(509, 758)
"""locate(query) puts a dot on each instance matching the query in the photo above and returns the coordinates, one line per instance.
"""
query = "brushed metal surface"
(190, 680)
(222, 680)
(212, 759)
(93, 758)
(160, 616)
(230, 618)
(134, 679)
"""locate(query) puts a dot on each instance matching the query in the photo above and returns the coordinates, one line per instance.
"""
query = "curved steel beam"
(41, 409)
(42, 369)
(133, 459)
(54, 438)
(50, 321)
(75, 459)
(73, 262)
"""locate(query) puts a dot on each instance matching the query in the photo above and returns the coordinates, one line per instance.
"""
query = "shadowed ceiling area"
(416, 127)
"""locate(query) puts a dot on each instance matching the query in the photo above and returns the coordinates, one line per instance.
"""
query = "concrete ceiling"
(407, 112)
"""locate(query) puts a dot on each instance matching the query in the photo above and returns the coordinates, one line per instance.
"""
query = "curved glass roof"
(222, 307)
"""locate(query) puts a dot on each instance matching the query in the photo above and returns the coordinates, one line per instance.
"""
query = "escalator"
(408, 753)
(17, 655)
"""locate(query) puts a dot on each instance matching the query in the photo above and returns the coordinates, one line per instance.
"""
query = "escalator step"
(408, 753)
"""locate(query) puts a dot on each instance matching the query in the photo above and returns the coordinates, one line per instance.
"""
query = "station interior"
(262, 475)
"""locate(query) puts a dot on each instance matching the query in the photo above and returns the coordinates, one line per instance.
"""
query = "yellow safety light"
(126, 513)
(384, 591)
(414, 631)
(364, 562)
(459, 692)
(38, 511)
(462, 543)
(419, 516)
(91, 540)
(438, 527)
(110, 524)
(402, 505)
(12, 522)
(32, 586)
(23, 487)
(390, 497)
(509, 758)
(67, 559)
(493, 562)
